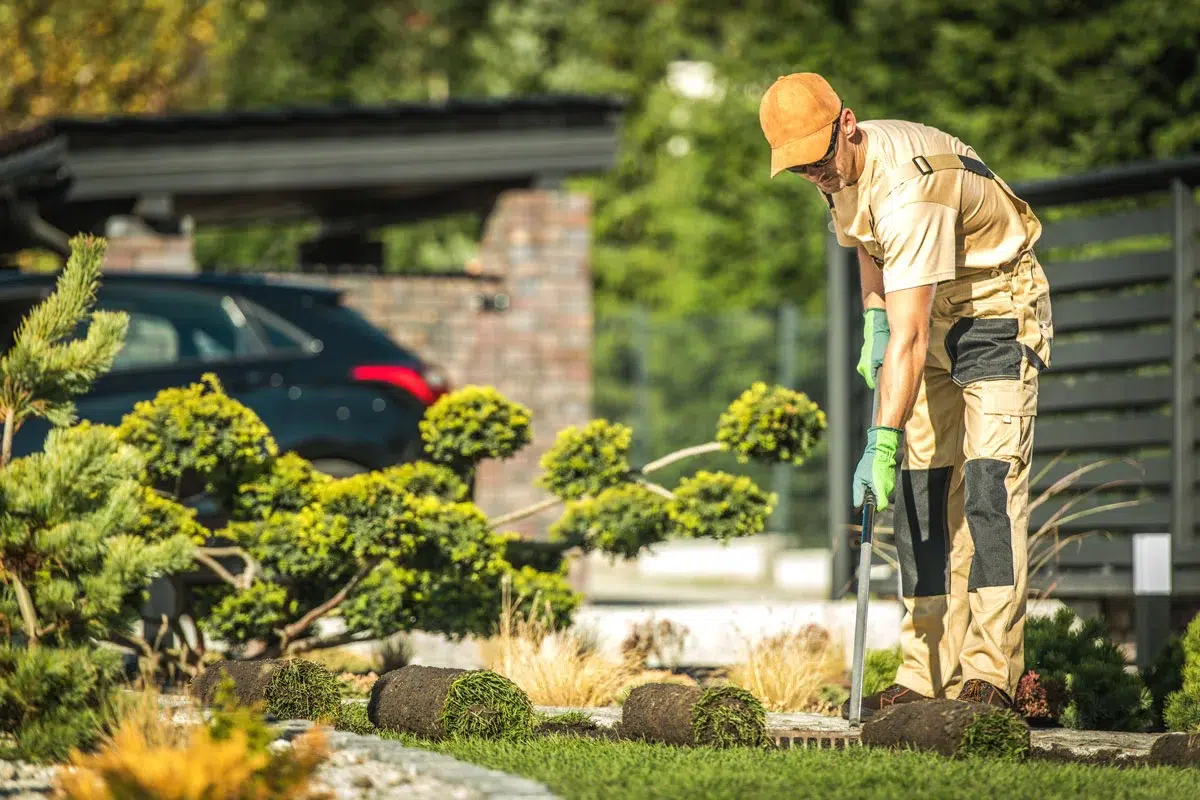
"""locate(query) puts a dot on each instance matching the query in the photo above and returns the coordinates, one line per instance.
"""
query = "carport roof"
(394, 162)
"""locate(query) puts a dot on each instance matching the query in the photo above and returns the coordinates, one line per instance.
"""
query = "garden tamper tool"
(864, 591)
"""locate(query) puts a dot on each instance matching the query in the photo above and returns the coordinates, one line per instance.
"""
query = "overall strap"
(927, 165)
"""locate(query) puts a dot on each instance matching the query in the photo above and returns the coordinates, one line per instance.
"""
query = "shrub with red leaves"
(1040, 699)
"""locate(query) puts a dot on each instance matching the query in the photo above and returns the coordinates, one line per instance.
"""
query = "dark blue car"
(328, 384)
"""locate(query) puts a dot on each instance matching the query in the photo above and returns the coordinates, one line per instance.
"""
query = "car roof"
(245, 283)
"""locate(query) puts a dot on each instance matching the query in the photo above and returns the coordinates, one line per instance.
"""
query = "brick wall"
(536, 348)
(149, 253)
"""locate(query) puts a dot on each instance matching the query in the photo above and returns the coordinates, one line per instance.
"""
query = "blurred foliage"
(96, 57)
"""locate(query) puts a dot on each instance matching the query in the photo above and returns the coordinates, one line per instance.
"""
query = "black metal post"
(781, 474)
(841, 419)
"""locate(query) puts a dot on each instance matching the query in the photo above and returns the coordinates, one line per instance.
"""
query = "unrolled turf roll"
(949, 727)
(441, 702)
(289, 688)
(718, 716)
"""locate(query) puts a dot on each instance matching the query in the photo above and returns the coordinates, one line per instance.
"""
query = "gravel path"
(360, 768)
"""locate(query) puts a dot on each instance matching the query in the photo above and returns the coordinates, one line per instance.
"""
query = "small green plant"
(1101, 693)
(880, 668)
(54, 699)
(1182, 708)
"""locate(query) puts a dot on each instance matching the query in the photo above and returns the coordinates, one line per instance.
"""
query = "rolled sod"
(1176, 750)
(443, 702)
(717, 716)
(290, 688)
(950, 727)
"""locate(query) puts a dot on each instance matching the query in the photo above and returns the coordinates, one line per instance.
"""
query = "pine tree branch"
(320, 643)
(10, 423)
(680, 455)
(28, 614)
(215, 566)
(528, 511)
(312, 616)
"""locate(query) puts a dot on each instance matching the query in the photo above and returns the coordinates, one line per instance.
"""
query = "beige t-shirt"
(932, 227)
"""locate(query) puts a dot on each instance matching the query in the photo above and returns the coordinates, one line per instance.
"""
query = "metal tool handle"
(864, 590)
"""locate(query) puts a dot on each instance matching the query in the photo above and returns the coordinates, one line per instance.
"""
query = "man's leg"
(933, 564)
(1000, 353)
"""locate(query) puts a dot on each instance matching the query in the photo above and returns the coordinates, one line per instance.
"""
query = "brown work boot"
(892, 695)
(980, 691)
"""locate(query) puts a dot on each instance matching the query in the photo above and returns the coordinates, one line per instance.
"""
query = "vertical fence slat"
(1184, 355)
(785, 334)
(839, 433)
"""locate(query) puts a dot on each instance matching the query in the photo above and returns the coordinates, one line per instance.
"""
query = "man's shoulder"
(892, 145)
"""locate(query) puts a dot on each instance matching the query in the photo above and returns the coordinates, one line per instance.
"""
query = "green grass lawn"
(579, 769)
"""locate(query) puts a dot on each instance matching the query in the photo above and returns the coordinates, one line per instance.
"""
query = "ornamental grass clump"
(443, 702)
(717, 716)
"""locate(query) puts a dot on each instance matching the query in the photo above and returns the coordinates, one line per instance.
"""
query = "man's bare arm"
(870, 279)
(904, 361)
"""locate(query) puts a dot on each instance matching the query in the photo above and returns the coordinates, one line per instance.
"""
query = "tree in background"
(91, 57)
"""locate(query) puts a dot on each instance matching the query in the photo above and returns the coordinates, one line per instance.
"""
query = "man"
(956, 326)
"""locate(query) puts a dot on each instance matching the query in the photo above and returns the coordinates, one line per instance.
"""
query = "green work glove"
(875, 339)
(877, 468)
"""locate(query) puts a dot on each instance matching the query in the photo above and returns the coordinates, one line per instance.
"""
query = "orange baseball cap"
(797, 114)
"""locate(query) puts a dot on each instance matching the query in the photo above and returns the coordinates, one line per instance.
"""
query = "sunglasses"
(800, 169)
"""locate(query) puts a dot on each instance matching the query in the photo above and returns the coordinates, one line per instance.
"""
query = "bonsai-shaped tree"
(394, 549)
(614, 508)
(74, 560)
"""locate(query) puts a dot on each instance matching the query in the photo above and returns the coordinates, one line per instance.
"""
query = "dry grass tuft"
(560, 667)
(786, 672)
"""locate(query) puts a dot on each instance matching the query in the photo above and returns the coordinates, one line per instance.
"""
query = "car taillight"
(427, 389)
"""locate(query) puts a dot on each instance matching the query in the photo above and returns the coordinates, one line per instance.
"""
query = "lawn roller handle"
(864, 590)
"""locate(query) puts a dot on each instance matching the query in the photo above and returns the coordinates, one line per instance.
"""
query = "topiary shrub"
(198, 437)
(620, 520)
(471, 424)
(720, 505)
(390, 550)
(1101, 693)
(771, 423)
(583, 462)
(610, 505)
(1164, 677)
